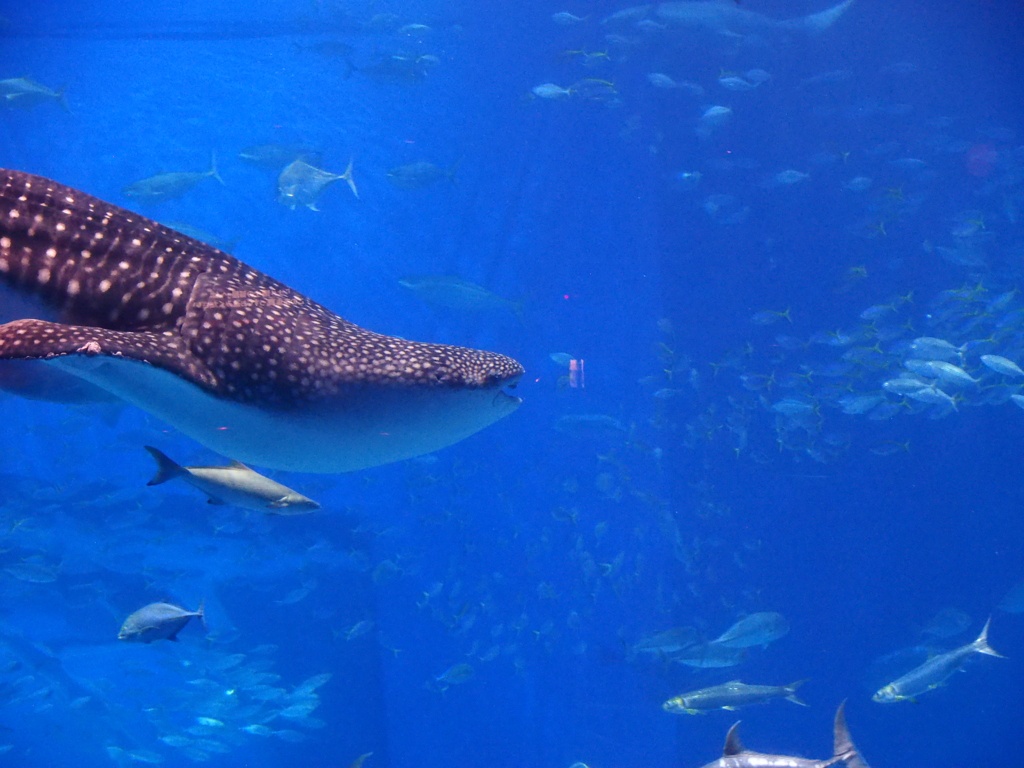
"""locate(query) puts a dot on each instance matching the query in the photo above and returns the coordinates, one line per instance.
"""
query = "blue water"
(541, 556)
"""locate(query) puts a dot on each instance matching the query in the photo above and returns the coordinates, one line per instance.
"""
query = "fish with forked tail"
(934, 672)
(301, 184)
(168, 186)
(735, 755)
(25, 93)
(157, 621)
(238, 361)
(234, 484)
(730, 696)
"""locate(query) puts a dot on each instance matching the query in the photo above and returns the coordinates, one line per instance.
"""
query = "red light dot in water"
(565, 296)
(981, 160)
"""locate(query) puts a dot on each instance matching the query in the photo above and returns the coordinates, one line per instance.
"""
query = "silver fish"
(225, 354)
(755, 629)
(302, 184)
(933, 672)
(234, 484)
(25, 93)
(730, 696)
(735, 755)
(157, 621)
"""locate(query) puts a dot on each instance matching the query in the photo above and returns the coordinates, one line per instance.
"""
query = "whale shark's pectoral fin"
(42, 340)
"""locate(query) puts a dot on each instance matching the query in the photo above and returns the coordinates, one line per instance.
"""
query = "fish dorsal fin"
(237, 465)
(734, 682)
(733, 745)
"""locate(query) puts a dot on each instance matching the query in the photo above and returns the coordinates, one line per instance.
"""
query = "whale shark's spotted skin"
(171, 324)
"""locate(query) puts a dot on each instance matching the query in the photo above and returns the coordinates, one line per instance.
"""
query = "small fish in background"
(551, 91)
(234, 484)
(1001, 365)
(454, 675)
(858, 184)
(788, 177)
(397, 68)
(733, 82)
(158, 621)
(421, 174)
(302, 184)
(414, 30)
(712, 118)
(274, 157)
(25, 93)
(755, 629)
(948, 622)
(168, 186)
(757, 76)
(668, 642)
(566, 19)
(1013, 601)
(730, 696)
(770, 316)
(710, 656)
(661, 80)
(453, 292)
(33, 571)
(359, 629)
(934, 672)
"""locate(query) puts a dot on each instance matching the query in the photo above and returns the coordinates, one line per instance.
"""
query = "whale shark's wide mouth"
(505, 399)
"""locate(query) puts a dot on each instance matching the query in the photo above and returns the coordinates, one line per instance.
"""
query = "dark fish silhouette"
(420, 174)
(236, 360)
(167, 186)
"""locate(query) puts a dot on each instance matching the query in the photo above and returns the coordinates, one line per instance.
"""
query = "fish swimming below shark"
(240, 362)
(724, 17)
(735, 755)
(235, 484)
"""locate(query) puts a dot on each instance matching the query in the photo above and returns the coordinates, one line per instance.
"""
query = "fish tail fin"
(844, 748)
(62, 100)
(201, 614)
(213, 167)
(166, 468)
(349, 69)
(981, 644)
(791, 690)
(347, 176)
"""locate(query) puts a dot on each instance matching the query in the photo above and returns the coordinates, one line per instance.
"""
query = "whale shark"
(236, 360)
(724, 17)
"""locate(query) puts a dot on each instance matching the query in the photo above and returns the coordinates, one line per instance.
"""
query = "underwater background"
(707, 303)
